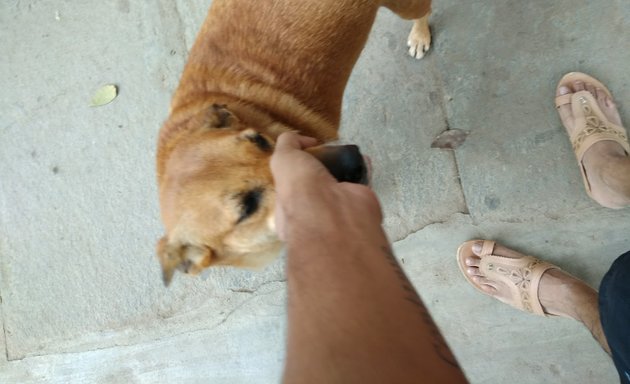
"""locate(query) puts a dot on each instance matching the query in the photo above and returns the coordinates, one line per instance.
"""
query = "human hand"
(310, 202)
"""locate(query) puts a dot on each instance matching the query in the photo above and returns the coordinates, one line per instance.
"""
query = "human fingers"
(289, 150)
(290, 140)
(291, 165)
(293, 169)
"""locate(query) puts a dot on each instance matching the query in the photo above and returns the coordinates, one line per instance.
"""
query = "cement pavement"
(82, 299)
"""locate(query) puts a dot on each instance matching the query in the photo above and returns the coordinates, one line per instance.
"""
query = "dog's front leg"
(419, 39)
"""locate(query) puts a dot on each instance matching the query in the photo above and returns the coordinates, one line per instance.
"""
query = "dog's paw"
(419, 39)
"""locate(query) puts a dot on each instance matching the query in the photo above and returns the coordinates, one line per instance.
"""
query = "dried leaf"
(450, 139)
(105, 95)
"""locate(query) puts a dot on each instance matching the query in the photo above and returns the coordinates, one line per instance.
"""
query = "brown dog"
(257, 69)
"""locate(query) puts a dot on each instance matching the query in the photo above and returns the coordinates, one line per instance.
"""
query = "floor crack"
(4, 330)
(444, 221)
(164, 337)
(254, 290)
(443, 100)
(466, 209)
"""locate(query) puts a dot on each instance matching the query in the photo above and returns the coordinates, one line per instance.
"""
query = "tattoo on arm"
(438, 342)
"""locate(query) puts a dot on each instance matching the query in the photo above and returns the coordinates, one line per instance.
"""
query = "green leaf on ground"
(105, 95)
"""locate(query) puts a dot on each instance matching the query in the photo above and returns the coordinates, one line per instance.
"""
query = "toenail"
(476, 248)
(564, 90)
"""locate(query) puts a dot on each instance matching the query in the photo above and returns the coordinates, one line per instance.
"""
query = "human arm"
(353, 315)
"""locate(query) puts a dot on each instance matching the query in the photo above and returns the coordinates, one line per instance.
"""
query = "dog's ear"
(218, 116)
(170, 257)
(184, 257)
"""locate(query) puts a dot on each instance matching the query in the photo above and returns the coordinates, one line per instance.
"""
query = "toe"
(412, 49)
(490, 290)
(607, 105)
(600, 95)
(473, 261)
(499, 250)
(477, 247)
(610, 103)
(602, 99)
(609, 108)
(473, 271)
(578, 85)
(565, 111)
(506, 252)
(481, 281)
(566, 115)
(591, 89)
(563, 90)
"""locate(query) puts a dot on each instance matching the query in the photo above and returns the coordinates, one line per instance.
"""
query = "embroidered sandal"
(592, 123)
(521, 275)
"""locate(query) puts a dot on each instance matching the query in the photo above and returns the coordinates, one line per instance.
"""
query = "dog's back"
(305, 49)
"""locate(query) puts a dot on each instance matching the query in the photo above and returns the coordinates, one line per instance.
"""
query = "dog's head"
(217, 196)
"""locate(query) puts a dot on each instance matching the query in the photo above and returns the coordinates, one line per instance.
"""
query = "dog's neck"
(254, 102)
(270, 118)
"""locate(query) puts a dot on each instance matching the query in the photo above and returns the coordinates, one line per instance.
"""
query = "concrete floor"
(82, 299)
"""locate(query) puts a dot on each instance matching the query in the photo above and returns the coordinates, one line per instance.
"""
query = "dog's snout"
(344, 162)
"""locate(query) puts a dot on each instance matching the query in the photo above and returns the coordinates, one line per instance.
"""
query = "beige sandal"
(594, 126)
(521, 275)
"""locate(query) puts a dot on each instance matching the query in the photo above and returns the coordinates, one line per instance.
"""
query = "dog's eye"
(249, 203)
(260, 142)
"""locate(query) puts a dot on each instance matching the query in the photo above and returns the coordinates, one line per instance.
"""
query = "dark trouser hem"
(614, 310)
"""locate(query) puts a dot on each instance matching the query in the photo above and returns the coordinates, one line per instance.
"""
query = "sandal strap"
(563, 100)
(487, 248)
(521, 275)
(596, 126)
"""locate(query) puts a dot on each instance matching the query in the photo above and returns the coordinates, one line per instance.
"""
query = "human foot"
(523, 281)
(552, 291)
(590, 116)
